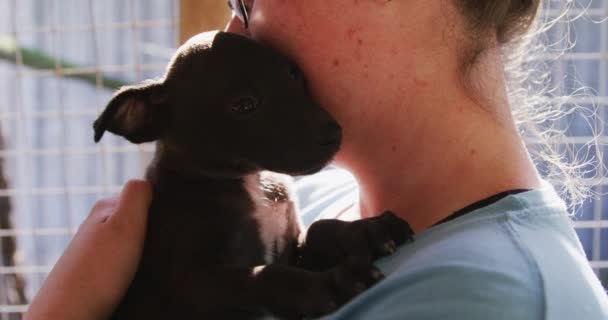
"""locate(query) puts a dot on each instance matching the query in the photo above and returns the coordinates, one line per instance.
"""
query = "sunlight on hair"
(541, 108)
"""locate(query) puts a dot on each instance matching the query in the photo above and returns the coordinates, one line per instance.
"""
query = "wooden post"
(201, 15)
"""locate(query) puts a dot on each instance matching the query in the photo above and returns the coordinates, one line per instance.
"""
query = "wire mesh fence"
(59, 63)
(585, 65)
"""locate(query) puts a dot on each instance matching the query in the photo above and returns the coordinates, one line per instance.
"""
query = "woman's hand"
(96, 269)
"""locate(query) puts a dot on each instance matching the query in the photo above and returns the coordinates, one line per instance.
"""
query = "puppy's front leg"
(284, 291)
(330, 242)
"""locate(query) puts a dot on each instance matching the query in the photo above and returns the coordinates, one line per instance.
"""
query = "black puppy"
(222, 237)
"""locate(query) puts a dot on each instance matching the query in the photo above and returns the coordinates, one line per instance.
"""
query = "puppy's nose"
(330, 135)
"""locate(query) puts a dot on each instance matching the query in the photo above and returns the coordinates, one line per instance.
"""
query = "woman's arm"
(95, 270)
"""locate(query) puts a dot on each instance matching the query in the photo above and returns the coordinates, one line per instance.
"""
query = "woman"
(419, 89)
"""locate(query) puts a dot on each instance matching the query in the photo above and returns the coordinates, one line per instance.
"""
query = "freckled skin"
(402, 41)
(421, 83)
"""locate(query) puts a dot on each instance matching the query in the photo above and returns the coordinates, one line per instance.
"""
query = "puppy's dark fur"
(228, 108)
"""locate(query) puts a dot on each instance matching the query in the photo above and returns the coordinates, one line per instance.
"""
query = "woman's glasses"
(239, 9)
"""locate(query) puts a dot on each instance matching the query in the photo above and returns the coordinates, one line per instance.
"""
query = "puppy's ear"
(137, 113)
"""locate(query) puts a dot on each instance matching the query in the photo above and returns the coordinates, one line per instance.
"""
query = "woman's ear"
(137, 113)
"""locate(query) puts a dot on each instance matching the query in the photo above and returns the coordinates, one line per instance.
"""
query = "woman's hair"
(506, 19)
(520, 28)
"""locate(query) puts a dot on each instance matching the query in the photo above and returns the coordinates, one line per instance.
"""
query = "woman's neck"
(436, 148)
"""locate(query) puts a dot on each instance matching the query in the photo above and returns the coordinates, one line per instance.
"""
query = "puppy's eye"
(244, 105)
(294, 72)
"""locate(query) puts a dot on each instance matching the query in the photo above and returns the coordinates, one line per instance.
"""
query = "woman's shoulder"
(518, 258)
(459, 288)
(470, 271)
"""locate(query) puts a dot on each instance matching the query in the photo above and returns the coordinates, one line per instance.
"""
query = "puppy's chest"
(275, 212)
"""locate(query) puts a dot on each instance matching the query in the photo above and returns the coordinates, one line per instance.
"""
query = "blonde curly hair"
(520, 29)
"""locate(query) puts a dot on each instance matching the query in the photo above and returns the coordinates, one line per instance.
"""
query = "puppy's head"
(227, 103)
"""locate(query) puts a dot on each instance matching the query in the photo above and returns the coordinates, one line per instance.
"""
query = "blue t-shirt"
(518, 258)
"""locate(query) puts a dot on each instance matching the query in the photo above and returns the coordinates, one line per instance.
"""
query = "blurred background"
(61, 60)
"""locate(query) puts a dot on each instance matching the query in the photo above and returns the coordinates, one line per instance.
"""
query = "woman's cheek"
(314, 39)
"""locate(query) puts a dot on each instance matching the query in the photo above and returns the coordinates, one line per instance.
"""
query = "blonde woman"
(420, 90)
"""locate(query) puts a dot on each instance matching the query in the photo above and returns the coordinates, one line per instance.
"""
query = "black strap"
(480, 204)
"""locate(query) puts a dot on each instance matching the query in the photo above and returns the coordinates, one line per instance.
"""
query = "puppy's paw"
(292, 293)
(375, 237)
(331, 242)
(353, 277)
(385, 233)
(324, 292)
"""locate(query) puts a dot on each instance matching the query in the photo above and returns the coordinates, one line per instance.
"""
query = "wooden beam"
(201, 15)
